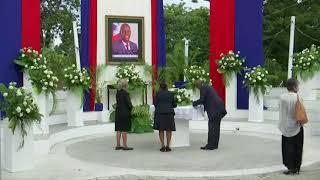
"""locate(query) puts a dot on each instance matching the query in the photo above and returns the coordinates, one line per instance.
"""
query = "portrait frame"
(116, 59)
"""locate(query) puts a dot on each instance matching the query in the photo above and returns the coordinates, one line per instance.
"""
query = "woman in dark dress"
(164, 115)
(123, 113)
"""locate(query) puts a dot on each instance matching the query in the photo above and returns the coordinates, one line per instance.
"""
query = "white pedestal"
(74, 109)
(26, 81)
(255, 108)
(231, 96)
(17, 160)
(103, 116)
(307, 89)
(43, 127)
(180, 137)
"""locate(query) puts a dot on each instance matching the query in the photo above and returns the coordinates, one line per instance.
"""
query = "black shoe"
(168, 149)
(127, 148)
(208, 148)
(163, 149)
(118, 148)
(289, 172)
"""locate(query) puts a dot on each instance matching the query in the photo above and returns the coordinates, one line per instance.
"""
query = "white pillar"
(180, 137)
(74, 109)
(14, 159)
(231, 96)
(255, 108)
(291, 46)
(76, 44)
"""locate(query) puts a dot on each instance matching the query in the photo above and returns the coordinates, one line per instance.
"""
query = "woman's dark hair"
(292, 84)
(163, 85)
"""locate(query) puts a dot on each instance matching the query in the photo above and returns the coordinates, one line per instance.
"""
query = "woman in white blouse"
(292, 132)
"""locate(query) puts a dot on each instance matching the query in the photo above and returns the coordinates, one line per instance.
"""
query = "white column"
(17, 160)
(180, 137)
(74, 109)
(255, 108)
(41, 101)
(231, 96)
(291, 46)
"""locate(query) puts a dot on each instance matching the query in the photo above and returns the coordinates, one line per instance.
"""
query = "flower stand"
(42, 128)
(255, 108)
(103, 116)
(231, 95)
(74, 108)
(17, 159)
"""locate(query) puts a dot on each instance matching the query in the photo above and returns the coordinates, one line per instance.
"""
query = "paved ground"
(235, 152)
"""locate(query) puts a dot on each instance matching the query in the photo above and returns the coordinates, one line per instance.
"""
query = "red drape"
(154, 42)
(30, 24)
(222, 20)
(93, 49)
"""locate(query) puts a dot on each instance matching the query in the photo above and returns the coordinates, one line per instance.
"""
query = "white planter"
(43, 127)
(231, 95)
(307, 89)
(14, 159)
(255, 108)
(74, 109)
(103, 116)
(180, 137)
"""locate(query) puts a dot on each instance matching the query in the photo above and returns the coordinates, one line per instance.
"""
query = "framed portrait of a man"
(124, 39)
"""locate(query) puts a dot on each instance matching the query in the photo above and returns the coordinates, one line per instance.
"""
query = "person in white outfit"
(292, 132)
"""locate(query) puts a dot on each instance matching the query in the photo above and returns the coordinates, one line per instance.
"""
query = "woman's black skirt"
(164, 122)
(292, 148)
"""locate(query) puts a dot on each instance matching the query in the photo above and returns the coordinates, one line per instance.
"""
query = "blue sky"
(188, 3)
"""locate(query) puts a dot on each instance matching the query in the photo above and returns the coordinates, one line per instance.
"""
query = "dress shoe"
(127, 148)
(168, 149)
(163, 149)
(208, 148)
(118, 148)
(289, 172)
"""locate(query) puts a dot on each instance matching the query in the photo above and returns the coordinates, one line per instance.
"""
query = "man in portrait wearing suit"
(124, 46)
(215, 108)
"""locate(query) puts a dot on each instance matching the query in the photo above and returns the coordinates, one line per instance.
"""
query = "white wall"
(141, 8)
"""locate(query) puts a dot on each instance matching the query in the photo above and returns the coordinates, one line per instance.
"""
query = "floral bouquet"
(257, 81)
(130, 73)
(28, 57)
(20, 109)
(229, 64)
(307, 62)
(76, 79)
(182, 96)
(195, 72)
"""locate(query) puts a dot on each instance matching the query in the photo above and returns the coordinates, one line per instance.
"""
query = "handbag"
(300, 112)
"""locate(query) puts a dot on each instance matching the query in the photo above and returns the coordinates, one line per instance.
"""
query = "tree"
(193, 24)
(56, 22)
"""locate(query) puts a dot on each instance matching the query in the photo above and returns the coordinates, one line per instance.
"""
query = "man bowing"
(214, 106)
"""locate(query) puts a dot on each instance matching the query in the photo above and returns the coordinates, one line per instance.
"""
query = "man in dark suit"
(124, 46)
(215, 108)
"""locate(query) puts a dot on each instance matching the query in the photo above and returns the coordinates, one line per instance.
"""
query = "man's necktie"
(127, 46)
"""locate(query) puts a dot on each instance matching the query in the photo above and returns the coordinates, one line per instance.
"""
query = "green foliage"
(277, 14)
(175, 64)
(141, 120)
(129, 72)
(182, 96)
(75, 79)
(20, 109)
(193, 24)
(194, 73)
(57, 61)
(101, 86)
(56, 21)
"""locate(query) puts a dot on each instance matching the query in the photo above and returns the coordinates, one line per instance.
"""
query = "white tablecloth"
(187, 113)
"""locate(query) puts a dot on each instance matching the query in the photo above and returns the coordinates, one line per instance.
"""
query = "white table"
(183, 114)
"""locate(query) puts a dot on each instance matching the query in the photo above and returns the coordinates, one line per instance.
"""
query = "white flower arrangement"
(182, 96)
(20, 109)
(256, 79)
(229, 64)
(194, 73)
(307, 62)
(130, 73)
(76, 79)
